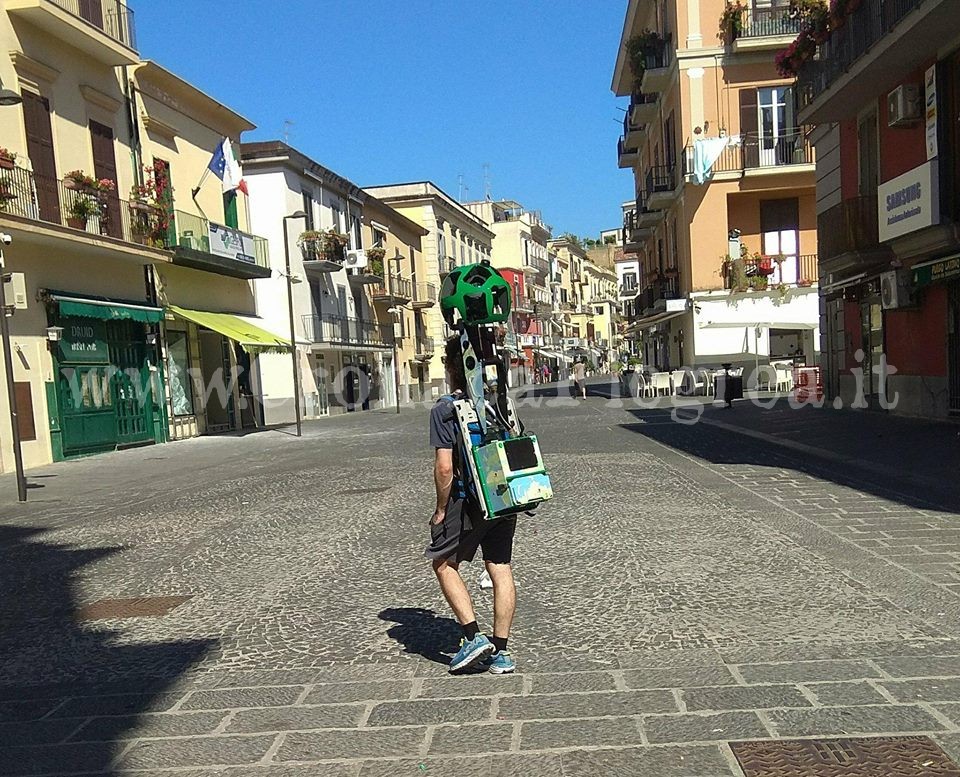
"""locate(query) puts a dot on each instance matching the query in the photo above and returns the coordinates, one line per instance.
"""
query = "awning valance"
(249, 336)
(656, 318)
(103, 308)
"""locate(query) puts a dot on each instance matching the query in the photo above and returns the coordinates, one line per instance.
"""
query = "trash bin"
(729, 387)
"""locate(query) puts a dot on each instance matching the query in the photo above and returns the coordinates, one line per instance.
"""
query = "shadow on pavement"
(423, 632)
(70, 692)
(719, 446)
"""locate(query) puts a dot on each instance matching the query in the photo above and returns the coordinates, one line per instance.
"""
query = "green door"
(131, 382)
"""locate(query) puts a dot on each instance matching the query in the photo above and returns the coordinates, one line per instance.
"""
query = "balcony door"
(92, 11)
(36, 120)
(105, 167)
(780, 230)
(776, 125)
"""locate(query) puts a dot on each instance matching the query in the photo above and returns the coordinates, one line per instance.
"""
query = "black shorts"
(464, 530)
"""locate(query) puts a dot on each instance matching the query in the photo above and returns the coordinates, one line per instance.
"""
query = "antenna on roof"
(287, 127)
(463, 188)
(486, 181)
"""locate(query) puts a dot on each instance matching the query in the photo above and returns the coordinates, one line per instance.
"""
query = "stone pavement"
(679, 594)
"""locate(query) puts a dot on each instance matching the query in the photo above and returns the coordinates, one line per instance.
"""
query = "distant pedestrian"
(580, 377)
(458, 528)
(545, 373)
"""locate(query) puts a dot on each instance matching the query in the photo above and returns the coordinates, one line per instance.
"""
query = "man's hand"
(438, 517)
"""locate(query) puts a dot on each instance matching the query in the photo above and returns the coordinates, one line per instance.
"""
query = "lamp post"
(396, 311)
(293, 332)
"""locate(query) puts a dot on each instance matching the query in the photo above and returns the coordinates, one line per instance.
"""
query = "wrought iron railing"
(341, 330)
(425, 345)
(393, 286)
(200, 234)
(660, 54)
(661, 179)
(764, 22)
(109, 16)
(772, 271)
(623, 148)
(755, 151)
(86, 209)
(849, 226)
(864, 27)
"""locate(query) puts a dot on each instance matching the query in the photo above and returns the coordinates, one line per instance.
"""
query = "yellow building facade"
(724, 223)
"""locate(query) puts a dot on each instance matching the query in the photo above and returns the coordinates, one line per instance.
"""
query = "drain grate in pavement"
(141, 607)
(352, 491)
(859, 757)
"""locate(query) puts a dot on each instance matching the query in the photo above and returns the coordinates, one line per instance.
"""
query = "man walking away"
(458, 529)
(580, 378)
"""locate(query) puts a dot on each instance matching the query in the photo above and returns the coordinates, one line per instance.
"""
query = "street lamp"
(293, 332)
(396, 311)
(6, 240)
(9, 97)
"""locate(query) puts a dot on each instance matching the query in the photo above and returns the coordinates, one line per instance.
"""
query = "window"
(357, 234)
(629, 281)
(598, 311)
(308, 209)
(178, 374)
(379, 238)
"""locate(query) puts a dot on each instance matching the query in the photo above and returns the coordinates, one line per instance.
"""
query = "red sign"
(807, 384)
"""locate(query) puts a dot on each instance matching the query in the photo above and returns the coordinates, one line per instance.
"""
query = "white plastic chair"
(660, 382)
(677, 378)
(784, 378)
(644, 387)
(766, 377)
(707, 378)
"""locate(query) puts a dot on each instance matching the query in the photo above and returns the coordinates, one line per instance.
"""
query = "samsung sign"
(909, 202)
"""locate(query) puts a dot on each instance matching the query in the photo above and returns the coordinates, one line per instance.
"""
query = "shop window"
(178, 373)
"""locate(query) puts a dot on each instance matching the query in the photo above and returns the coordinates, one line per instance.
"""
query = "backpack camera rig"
(503, 464)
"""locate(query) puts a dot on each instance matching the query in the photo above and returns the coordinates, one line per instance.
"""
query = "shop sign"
(84, 341)
(231, 243)
(909, 202)
(933, 272)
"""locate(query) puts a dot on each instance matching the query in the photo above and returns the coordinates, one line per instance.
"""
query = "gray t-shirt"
(579, 371)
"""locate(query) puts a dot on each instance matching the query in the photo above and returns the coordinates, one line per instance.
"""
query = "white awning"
(759, 325)
(656, 318)
(554, 355)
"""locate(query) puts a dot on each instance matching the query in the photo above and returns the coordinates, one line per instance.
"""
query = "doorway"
(780, 228)
(871, 321)
(776, 125)
(953, 346)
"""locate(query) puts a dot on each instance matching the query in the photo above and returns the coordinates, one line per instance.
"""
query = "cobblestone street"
(688, 587)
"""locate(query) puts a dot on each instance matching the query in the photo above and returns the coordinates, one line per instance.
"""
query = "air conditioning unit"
(896, 289)
(356, 260)
(904, 106)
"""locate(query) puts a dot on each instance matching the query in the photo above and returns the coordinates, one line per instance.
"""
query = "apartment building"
(455, 236)
(110, 349)
(313, 218)
(884, 93)
(724, 223)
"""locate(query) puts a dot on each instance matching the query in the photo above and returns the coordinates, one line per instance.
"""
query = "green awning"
(937, 270)
(104, 309)
(249, 336)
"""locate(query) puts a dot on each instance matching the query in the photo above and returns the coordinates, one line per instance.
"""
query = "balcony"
(424, 296)
(659, 67)
(206, 245)
(392, 290)
(662, 187)
(627, 292)
(424, 348)
(755, 154)
(766, 29)
(103, 29)
(86, 212)
(882, 41)
(626, 157)
(341, 332)
(539, 268)
(643, 108)
(632, 132)
(768, 273)
(446, 265)
(848, 236)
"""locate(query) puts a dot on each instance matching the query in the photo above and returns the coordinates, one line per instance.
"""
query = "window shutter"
(749, 126)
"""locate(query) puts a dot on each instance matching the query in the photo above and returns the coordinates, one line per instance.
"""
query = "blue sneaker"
(500, 663)
(471, 652)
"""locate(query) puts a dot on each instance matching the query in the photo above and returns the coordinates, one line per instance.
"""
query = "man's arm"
(443, 479)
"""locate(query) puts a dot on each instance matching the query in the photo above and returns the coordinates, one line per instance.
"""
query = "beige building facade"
(454, 237)
(724, 223)
(105, 259)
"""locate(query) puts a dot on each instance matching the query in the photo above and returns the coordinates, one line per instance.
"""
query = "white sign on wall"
(909, 202)
(930, 110)
(231, 243)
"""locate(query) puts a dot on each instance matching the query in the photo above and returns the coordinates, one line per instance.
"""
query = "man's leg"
(504, 598)
(448, 575)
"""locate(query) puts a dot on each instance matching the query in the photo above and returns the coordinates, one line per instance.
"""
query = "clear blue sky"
(383, 92)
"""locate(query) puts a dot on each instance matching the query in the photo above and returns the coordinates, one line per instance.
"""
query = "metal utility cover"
(857, 757)
(142, 607)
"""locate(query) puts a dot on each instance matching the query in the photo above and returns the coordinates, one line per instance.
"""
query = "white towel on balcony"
(706, 152)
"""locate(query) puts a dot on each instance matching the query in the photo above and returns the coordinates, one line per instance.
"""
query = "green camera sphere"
(475, 294)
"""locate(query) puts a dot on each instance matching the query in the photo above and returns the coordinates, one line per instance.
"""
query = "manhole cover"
(379, 490)
(862, 757)
(142, 607)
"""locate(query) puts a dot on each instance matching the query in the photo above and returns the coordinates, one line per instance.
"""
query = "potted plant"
(758, 283)
(79, 181)
(7, 192)
(804, 283)
(731, 21)
(7, 159)
(375, 257)
(81, 209)
(764, 264)
(671, 272)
